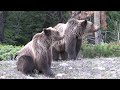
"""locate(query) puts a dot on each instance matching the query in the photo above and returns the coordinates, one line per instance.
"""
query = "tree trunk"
(1, 26)
(97, 22)
(81, 14)
(103, 20)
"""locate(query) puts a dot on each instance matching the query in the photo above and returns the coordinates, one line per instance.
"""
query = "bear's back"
(61, 28)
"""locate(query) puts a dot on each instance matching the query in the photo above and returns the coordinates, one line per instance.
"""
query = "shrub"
(8, 52)
(101, 50)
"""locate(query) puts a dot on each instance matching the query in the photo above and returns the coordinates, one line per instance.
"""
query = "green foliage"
(102, 50)
(8, 52)
(20, 26)
(112, 18)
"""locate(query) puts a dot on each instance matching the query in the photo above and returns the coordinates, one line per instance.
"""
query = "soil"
(97, 68)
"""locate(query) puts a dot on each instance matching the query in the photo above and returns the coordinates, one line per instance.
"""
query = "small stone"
(4, 72)
(101, 68)
(70, 68)
(2, 77)
(53, 67)
(60, 74)
(64, 64)
(28, 77)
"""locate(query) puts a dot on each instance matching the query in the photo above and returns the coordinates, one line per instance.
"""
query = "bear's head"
(88, 26)
(53, 34)
(80, 27)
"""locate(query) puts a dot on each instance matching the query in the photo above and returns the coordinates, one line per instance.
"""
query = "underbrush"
(8, 52)
(101, 50)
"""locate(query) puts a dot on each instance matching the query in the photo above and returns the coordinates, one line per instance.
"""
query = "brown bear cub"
(37, 53)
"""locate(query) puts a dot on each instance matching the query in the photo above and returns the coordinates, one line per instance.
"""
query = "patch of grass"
(8, 52)
(101, 50)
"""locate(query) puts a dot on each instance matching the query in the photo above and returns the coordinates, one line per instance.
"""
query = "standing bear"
(37, 53)
(68, 48)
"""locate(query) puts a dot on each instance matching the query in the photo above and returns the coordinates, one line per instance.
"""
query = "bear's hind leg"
(25, 64)
(63, 55)
(55, 54)
(45, 68)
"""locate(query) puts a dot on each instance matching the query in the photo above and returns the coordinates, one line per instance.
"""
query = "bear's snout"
(95, 28)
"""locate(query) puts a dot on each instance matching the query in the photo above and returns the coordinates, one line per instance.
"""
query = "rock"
(2, 77)
(70, 68)
(101, 68)
(64, 64)
(60, 74)
(29, 77)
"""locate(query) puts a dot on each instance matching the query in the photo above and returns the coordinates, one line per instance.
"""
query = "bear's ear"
(84, 24)
(47, 31)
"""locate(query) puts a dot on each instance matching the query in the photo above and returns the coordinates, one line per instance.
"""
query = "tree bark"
(81, 14)
(1, 26)
(103, 20)
(97, 22)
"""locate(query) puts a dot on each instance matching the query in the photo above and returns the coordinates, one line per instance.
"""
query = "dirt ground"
(98, 68)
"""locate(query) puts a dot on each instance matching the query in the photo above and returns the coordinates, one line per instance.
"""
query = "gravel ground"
(98, 68)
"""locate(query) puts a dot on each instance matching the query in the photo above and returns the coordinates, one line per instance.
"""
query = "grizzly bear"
(73, 30)
(37, 53)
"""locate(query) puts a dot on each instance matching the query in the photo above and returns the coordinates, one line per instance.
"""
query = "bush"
(102, 50)
(8, 52)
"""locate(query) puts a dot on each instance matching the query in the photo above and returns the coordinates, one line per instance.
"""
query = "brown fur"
(73, 30)
(39, 50)
(25, 64)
